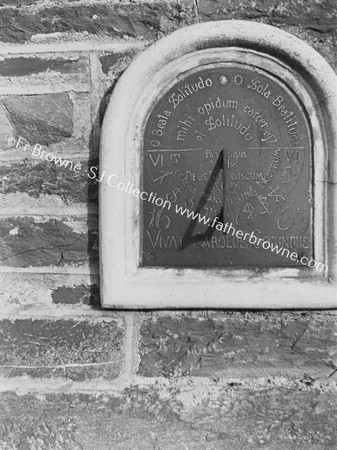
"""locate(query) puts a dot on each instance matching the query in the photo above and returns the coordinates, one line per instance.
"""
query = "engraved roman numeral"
(159, 158)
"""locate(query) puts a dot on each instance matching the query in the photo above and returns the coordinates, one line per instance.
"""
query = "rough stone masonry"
(74, 376)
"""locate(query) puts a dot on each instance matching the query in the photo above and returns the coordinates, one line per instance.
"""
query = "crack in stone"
(332, 373)
(61, 258)
(196, 5)
(293, 345)
(44, 248)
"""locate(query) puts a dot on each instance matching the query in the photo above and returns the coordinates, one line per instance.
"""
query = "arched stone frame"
(123, 282)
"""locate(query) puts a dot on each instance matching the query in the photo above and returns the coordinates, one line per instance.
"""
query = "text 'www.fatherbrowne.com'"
(228, 228)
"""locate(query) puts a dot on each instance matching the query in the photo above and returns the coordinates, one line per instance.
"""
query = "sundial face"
(228, 141)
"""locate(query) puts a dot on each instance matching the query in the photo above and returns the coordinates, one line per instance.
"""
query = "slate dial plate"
(231, 141)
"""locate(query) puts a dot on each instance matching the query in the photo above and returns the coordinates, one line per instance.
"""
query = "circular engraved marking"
(223, 80)
(151, 256)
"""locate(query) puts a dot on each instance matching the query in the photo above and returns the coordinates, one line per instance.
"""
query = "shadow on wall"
(93, 197)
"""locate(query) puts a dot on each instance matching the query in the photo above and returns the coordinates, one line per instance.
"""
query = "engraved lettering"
(186, 90)
(256, 85)
(285, 220)
(230, 122)
(217, 104)
(184, 127)
(247, 176)
(289, 119)
(160, 158)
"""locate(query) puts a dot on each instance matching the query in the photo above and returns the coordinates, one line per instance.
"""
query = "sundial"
(220, 174)
(233, 142)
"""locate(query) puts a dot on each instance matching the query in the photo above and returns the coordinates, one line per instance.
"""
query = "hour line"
(176, 151)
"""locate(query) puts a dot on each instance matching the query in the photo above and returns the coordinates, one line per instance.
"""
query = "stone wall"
(74, 376)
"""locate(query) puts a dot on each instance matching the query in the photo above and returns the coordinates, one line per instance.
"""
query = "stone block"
(37, 241)
(74, 349)
(275, 344)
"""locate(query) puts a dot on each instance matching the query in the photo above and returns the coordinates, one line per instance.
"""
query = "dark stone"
(117, 20)
(74, 349)
(318, 16)
(44, 243)
(112, 59)
(16, 67)
(7, 130)
(17, 3)
(107, 61)
(45, 178)
(198, 418)
(263, 345)
(41, 119)
(87, 295)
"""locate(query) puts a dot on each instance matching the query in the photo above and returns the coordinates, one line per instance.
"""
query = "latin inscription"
(230, 143)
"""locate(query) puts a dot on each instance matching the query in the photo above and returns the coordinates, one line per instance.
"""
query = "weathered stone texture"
(86, 295)
(28, 241)
(19, 67)
(17, 2)
(318, 16)
(282, 344)
(46, 294)
(7, 130)
(144, 21)
(112, 66)
(46, 178)
(109, 61)
(313, 21)
(74, 349)
(42, 119)
(165, 418)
